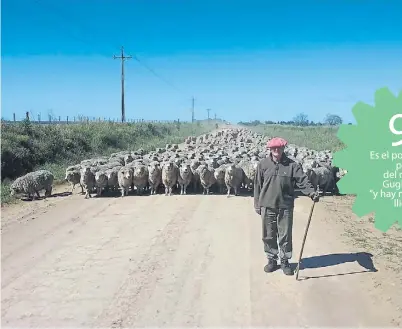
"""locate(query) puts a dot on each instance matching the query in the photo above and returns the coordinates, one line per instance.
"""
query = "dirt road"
(184, 261)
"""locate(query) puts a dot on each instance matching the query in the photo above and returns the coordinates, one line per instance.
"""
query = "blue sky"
(245, 60)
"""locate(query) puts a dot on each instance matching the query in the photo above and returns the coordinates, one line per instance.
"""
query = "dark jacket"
(274, 183)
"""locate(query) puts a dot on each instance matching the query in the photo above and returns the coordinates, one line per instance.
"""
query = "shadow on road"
(245, 193)
(364, 259)
(62, 194)
(161, 191)
(54, 195)
(176, 191)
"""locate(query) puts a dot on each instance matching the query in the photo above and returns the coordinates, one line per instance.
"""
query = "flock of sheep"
(218, 161)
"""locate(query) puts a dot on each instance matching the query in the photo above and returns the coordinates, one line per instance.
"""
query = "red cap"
(277, 142)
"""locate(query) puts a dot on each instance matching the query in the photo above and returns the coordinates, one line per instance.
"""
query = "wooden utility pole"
(192, 110)
(122, 58)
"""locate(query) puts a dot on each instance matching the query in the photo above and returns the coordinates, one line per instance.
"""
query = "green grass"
(29, 146)
(5, 193)
(317, 138)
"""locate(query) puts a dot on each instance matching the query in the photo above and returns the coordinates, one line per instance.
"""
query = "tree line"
(300, 120)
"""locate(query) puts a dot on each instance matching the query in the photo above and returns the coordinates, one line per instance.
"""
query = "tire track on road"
(142, 278)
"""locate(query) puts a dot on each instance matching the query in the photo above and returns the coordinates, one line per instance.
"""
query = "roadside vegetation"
(302, 131)
(27, 146)
(314, 137)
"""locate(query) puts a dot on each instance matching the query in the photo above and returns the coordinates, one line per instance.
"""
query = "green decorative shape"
(361, 112)
(370, 155)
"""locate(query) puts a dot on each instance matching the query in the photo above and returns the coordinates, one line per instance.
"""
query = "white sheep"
(169, 176)
(74, 178)
(196, 177)
(207, 177)
(87, 180)
(249, 169)
(185, 177)
(100, 182)
(140, 178)
(112, 181)
(128, 159)
(234, 176)
(125, 179)
(322, 178)
(32, 183)
(219, 174)
(154, 176)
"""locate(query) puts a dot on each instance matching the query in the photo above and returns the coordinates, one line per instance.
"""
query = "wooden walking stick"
(304, 239)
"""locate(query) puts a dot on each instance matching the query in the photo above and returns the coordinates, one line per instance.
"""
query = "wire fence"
(50, 119)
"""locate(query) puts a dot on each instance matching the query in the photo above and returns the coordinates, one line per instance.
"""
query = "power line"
(73, 21)
(157, 75)
(85, 29)
(122, 58)
(88, 31)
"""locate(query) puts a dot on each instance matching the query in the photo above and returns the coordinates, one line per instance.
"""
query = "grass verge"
(317, 138)
(29, 146)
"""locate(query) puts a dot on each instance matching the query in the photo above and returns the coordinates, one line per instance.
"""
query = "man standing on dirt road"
(275, 178)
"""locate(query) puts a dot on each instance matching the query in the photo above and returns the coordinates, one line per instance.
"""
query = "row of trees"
(301, 120)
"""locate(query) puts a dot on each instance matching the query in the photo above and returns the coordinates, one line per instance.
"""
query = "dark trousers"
(277, 225)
